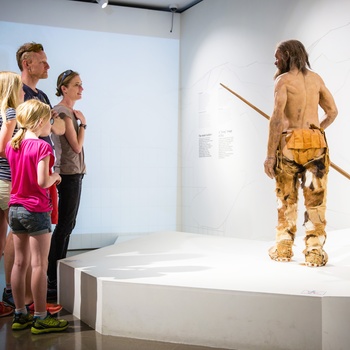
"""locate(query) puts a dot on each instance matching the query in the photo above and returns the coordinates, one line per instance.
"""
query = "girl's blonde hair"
(10, 87)
(30, 115)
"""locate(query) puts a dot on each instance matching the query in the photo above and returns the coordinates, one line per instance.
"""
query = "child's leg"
(39, 247)
(19, 269)
(9, 258)
(3, 230)
(28, 298)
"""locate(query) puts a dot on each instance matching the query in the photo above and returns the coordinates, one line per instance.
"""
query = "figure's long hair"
(293, 54)
(10, 87)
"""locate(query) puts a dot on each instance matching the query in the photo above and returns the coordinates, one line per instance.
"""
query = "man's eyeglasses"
(52, 121)
(65, 75)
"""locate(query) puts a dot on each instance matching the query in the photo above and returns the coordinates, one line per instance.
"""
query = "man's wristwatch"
(83, 126)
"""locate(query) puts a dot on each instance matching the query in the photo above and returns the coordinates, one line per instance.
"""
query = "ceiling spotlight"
(173, 8)
(103, 3)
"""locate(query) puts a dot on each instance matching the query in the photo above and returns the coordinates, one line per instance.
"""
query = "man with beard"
(297, 151)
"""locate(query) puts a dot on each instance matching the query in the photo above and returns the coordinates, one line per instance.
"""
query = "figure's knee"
(314, 198)
(315, 219)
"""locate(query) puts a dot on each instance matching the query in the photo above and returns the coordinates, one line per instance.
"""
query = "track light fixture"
(103, 3)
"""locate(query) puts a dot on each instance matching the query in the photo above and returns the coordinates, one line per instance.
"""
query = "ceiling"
(177, 6)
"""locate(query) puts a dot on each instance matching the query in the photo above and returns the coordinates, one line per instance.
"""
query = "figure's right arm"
(276, 126)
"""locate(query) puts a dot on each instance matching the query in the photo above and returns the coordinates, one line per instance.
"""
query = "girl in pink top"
(30, 160)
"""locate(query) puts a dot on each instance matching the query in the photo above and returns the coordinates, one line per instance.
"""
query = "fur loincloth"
(304, 145)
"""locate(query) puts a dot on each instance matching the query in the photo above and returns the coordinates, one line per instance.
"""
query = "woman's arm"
(76, 141)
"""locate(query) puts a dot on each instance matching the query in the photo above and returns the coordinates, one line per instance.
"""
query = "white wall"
(233, 42)
(129, 63)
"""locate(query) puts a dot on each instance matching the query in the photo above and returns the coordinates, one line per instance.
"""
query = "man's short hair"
(23, 53)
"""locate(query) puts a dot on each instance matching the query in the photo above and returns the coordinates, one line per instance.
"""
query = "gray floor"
(77, 336)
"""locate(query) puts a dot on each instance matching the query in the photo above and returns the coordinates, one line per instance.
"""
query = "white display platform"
(213, 291)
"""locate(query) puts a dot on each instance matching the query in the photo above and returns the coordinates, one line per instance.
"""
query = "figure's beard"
(280, 71)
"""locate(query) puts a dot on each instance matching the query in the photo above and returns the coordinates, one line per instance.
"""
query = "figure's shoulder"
(314, 78)
(284, 78)
(281, 81)
(61, 108)
(63, 111)
(313, 75)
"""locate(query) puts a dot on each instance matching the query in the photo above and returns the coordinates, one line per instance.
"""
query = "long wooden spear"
(334, 166)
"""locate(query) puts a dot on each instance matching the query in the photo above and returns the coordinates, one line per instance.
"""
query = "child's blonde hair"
(29, 116)
(10, 86)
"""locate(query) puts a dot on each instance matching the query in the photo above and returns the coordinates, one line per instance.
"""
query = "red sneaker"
(51, 308)
(5, 310)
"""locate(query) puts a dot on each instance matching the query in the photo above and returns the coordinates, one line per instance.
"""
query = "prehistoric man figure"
(297, 151)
